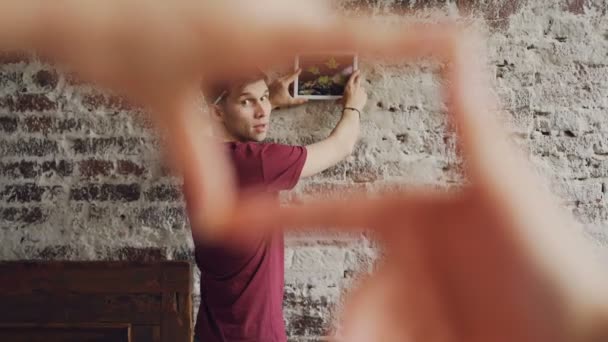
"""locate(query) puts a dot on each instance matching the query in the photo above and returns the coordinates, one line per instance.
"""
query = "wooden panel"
(66, 333)
(81, 308)
(177, 304)
(155, 298)
(93, 277)
(177, 278)
(145, 333)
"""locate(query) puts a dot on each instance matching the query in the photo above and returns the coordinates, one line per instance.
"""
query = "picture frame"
(324, 74)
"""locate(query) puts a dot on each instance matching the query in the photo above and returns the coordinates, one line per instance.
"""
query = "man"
(242, 281)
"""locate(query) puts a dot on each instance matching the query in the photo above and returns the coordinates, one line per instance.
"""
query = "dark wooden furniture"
(95, 301)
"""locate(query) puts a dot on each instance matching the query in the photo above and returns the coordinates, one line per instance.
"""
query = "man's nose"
(260, 110)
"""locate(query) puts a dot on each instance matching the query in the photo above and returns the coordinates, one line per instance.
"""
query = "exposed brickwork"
(80, 177)
(581, 6)
(27, 103)
(126, 167)
(119, 145)
(34, 147)
(106, 192)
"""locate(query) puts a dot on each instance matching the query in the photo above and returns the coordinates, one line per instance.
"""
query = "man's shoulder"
(277, 166)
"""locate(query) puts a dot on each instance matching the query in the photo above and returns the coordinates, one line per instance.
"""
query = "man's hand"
(354, 94)
(279, 92)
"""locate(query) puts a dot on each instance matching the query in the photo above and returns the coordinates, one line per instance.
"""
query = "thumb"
(299, 101)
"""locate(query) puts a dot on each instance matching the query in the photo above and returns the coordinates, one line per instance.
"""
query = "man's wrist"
(351, 109)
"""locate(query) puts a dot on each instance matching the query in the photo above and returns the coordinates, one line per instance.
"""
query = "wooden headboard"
(95, 302)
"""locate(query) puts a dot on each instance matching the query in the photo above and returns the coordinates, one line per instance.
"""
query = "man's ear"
(217, 113)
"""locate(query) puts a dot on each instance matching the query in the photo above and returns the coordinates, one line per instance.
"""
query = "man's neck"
(230, 139)
(226, 137)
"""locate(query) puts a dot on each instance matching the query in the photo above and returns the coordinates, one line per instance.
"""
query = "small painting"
(324, 75)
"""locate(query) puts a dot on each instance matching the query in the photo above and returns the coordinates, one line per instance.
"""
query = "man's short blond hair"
(217, 91)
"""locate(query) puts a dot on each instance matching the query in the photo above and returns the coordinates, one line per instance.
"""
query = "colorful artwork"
(324, 75)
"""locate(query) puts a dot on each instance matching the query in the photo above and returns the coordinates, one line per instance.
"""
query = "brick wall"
(81, 178)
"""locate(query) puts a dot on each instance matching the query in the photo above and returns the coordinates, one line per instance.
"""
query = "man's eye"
(246, 102)
(264, 98)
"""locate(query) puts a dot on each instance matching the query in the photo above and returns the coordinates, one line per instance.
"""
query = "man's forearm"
(337, 146)
(347, 130)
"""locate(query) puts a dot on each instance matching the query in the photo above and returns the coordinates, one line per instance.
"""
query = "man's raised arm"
(341, 141)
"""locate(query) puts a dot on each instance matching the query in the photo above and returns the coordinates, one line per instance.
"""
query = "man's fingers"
(208, 187)
(292, 77)
(358, 79)
(352, 212)
(353, 78)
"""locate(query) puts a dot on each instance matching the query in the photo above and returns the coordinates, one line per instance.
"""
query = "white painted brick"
(318, 258)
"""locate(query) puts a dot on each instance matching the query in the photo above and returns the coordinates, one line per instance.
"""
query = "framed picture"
(324, 75)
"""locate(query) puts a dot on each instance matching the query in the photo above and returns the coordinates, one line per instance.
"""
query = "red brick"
(497, 12)
(576, 6)
(94, 167)
(29, 192)
(33, 103)
(579, 6)
(120, 145)
(8, 124)
(183, 254)
(50, 124)
(43, 124)
(127, 167)
(106, 192)
(140, 254)
(46, 79)
(56, 252)
(30, 169)
(10, 78)
(62, 168)
(28, 103)
(67, 125)
(23, 169)
(314, 320)
(363, 173)
(28, 147)
(164, 192)
(158, 217)
(94, 102)
(22, 215)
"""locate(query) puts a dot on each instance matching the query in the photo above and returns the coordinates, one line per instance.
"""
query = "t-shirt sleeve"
(282, 166)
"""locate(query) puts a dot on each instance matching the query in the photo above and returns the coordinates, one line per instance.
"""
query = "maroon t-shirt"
(242, 282)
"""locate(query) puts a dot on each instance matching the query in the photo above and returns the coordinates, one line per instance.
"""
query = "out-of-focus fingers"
(351, 212)
(399, 302)
(513, 192)
(208, 179)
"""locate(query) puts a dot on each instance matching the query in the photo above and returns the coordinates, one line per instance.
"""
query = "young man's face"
(245, 113)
